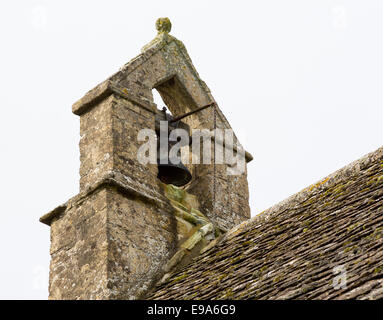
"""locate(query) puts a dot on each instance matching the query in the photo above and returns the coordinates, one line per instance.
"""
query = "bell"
(172, 170)
(176, 174)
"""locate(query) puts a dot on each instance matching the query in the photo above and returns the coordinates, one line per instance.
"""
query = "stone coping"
(104, 90)
(113, 179)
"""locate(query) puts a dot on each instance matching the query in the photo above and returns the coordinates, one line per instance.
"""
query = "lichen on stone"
(163, 25)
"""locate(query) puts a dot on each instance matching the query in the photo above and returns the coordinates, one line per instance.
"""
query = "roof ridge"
(337, 176)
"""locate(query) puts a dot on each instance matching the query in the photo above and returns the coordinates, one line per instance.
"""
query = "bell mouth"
(173, 175)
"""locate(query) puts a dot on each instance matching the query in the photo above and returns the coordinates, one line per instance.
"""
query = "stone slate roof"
(307, 247)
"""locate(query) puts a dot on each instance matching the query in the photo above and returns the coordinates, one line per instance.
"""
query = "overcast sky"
(299, 81)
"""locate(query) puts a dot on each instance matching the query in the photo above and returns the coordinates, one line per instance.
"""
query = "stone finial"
(163, 25)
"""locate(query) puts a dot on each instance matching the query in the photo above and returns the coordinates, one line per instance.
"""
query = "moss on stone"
(179, 278)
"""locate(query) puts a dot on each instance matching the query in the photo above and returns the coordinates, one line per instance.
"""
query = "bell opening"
(169, 172)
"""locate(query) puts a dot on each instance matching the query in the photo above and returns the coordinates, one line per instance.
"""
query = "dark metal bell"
(170, 171)
(176, 174)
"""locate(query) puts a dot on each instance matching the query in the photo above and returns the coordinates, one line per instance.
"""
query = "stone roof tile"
(325, 242)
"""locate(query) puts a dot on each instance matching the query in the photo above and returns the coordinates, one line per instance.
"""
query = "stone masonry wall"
(96, 148)
(110, 245)
(79, 251)
(142, 237)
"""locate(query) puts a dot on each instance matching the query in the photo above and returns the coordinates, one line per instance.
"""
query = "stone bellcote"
(116, 238)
